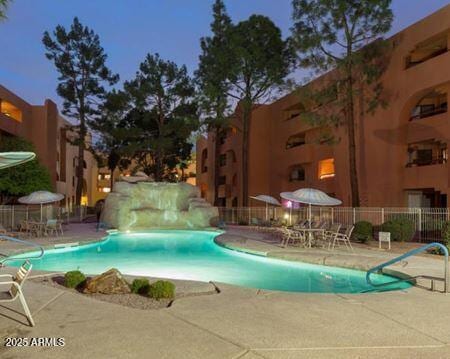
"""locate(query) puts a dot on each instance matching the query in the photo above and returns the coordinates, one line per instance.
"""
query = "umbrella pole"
(309, 215)
(267, 212)
(41, 212)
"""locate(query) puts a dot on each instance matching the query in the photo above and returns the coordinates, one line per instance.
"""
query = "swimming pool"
(194, 255)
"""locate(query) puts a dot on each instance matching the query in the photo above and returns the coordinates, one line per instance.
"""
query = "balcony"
(427, 50)
(300, 154)
(427, 176)
(432, 104)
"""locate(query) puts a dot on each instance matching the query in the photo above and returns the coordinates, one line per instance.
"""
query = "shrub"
(362, 231)
(401, 229)
(74, 279)
(445, 233)
(162, 289)
(140, 286)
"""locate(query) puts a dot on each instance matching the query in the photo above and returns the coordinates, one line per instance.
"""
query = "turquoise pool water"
(193, 255)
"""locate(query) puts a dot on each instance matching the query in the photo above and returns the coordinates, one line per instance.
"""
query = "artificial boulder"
(110, 282)
(148, 205)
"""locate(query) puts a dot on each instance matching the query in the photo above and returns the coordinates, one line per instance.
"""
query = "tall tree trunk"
(80, 165)
(353, 172)
(216, 166)
(111, 179)
(246, 118)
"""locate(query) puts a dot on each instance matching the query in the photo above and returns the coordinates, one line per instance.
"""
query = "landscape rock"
(110, 282)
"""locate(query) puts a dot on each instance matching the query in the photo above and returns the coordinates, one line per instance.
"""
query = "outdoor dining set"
(35, 228)
(309, 234)
(306, 232)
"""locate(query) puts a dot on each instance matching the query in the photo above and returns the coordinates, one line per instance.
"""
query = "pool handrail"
(379, 268)
(21, 241)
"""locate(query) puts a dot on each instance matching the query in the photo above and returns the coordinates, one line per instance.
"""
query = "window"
(297, 173)
(8, 109)
(426, 153)
(326, 168)
(104, 189)
(222, 180)
(204, 168)
(296, 140)
(223, 160)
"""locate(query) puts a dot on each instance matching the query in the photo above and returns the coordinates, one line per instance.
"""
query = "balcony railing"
(429, 112)
(427, 162)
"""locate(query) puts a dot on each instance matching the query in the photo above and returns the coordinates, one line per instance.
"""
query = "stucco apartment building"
(46, 129)
(402, 150)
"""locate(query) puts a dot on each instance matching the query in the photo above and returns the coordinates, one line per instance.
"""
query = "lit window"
(326, 168)
(105, 189)
(99, 177)
(107, 176)
(10, 110)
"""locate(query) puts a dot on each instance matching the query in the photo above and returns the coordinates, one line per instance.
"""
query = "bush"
(74, 279)
(362, 231)
(140, 286)
(162, 289)
(401, 229)
(445, 233)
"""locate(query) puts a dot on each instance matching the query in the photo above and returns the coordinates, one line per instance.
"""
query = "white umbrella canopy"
(41, 197)
(311, 197)
(10, 159)
(267, 200)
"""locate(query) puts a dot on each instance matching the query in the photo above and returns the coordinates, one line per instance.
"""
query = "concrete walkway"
(237, 323)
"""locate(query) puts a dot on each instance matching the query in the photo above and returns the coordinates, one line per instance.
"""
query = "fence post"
(420, 220)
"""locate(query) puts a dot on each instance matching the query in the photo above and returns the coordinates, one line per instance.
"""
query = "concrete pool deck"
(239, 323)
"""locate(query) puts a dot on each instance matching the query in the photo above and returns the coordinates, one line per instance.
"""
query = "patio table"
(310, 232)
(37, 227)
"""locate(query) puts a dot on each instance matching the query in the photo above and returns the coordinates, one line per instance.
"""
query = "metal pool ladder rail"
(379, 268)
(21, 241)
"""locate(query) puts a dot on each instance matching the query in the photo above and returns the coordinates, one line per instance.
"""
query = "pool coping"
(229, 242)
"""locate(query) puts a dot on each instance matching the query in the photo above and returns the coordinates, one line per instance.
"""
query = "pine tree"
(346, 36)
(80, 61)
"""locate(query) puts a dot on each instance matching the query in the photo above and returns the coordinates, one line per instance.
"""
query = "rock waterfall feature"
(150, 205)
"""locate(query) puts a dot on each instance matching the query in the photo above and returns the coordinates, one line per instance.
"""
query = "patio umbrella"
(310, 197)
(41, 198)
(9, 159)
(267, 200)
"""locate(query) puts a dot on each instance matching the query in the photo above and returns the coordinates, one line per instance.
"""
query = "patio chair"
(291, 235)
(52, 227)
(15, 291)
(331, 233)
(344, 237)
